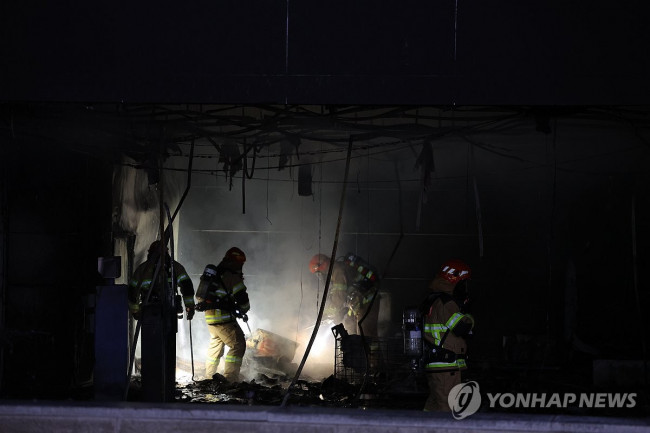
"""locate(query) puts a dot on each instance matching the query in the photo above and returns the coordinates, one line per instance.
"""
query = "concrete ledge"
(52, 417)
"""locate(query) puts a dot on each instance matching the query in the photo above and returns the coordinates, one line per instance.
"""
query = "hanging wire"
(301, 289)
(254, 148)
(243, 182)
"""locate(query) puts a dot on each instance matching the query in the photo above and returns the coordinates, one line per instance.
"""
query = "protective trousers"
(440, 383)
(221, 335)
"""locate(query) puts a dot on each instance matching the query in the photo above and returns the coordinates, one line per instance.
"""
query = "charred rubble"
(357, 381)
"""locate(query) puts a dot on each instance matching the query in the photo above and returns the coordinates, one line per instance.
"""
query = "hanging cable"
(159, 267)
(243, 182)
(268, 174)
(173, 279)
(250, 176)
(327, 280)
(187, 186)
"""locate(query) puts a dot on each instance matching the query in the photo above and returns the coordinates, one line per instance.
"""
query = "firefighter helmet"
(455, 270)
(154, 250)
(319, 263)
(235, 255)
(155, 247)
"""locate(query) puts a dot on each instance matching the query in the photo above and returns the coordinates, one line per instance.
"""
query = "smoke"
(530, 191)
(279, 232)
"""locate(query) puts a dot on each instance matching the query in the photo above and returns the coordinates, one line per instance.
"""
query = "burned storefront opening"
(313, 237)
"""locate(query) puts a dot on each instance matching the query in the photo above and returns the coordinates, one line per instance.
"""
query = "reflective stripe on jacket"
(438, 332)
(142, 279)
(443, 318)
(236, 297)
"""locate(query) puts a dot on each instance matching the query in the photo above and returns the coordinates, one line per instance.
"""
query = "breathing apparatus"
(365, 276)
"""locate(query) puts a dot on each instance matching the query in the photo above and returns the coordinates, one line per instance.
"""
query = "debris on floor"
(267, 390)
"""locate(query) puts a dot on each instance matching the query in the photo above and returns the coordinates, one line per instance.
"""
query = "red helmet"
(319, 263)
(455, 270)
(235, 255)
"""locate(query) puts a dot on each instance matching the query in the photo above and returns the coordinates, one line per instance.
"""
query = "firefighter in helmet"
(156, 306)
(446, 327)
(353, 292)
(222, 295)
(142, 288)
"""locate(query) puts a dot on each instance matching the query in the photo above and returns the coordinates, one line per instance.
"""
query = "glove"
(190, 312)
(136, 315)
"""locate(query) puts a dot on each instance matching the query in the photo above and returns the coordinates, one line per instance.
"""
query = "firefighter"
(222, 295)
(446, 327)
(353, 290)
(158, 319)
(141, 282)
(335, 304)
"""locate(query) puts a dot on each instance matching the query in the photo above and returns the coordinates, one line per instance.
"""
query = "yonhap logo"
(556, 400)
(464, 399)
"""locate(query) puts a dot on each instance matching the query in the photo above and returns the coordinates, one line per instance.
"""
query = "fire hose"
(287, 393)
(191, 351)
(165, 234)
(171, 249)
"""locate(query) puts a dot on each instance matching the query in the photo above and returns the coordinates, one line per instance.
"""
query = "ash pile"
(270, 371)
